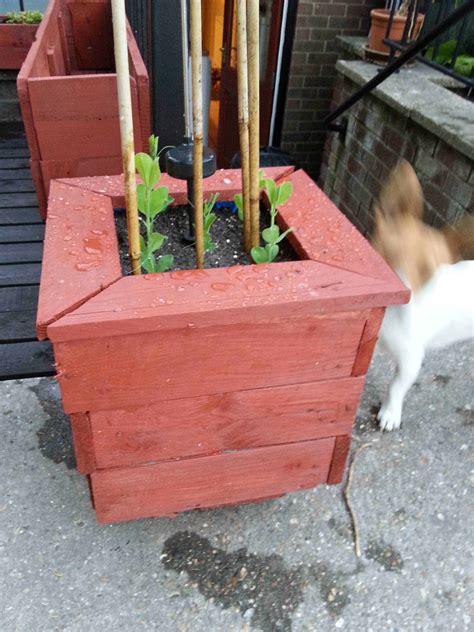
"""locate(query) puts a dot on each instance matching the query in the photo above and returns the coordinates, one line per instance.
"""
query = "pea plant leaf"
(272, 250)
(239, 203)
(259, 254)
(271, 234)
(285, 191)
(155, 241)
(164, 263)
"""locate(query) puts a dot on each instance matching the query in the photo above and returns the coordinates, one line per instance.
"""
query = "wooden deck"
(21, 247)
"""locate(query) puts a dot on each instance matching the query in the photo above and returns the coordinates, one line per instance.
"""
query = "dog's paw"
(389, 418)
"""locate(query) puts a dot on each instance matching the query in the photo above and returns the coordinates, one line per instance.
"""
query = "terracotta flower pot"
(201, 388)
(15, 42)
(378, 29)
(68, 95)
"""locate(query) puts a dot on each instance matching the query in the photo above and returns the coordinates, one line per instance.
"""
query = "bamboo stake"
(243, 97)
(126, 130)
(254, 115)
(196, 66)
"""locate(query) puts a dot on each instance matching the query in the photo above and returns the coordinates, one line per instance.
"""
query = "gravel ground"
(286, 564)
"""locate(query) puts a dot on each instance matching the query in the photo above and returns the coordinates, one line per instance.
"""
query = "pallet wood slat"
(230, 421)
(166, 488)
(19, 274)
(15, 185)
(14, 174)
(17, 200)
(15, 299)
(20, 216)
(19, 326)
(12, 163)
(26, 359)
(21, 252)
(21, 233)
(339, 458)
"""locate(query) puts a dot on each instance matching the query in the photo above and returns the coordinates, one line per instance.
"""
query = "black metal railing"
(452, 52)
(412, 50)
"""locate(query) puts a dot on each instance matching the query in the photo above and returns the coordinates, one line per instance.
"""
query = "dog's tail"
(460, 238)
(401, 194)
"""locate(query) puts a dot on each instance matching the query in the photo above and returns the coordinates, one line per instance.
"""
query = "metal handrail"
(394, 65)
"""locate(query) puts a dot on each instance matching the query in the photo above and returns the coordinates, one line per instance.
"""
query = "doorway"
(219, 42)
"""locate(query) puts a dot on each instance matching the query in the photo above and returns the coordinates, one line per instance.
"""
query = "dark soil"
(226, 234)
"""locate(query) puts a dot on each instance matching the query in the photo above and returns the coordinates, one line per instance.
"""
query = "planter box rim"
(82, 287)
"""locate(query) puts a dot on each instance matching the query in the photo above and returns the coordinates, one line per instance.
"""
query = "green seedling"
(152, 200)
(23, 17)
(209, 219)
(239, 200)
(277, 195)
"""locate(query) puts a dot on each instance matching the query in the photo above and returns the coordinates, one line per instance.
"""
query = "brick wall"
(312, 72)
(377, 137)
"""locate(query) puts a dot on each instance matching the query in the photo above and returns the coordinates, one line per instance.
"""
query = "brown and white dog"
(441, 308)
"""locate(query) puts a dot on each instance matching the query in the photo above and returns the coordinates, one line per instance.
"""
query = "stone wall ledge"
(440, 111)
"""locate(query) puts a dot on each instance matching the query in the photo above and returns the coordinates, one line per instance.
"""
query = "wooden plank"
(16, 152)
(87, 259)
(17, 216)
(227, 182)
(222, 296)
(368, 342)
(230, 421)
(17, 326)
(195, 361)
(324, 234)
(166, 488)
(16, 186)
(13, 163)
(21, 253)
(21, 233)
(81, 107)
(12, 143)
(92, 35)
(82, 439)
(19, 274)
(339, 458)
(17, 200)
(26, 359)
(15, 299)
(17, 174)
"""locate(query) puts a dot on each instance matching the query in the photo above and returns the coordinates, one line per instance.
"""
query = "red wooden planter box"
(68, 95)
(208, 387)
(15, 42)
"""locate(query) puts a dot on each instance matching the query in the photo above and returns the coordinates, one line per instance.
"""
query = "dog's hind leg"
(408, 367)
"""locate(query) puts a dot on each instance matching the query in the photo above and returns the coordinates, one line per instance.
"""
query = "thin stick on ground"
(347, 498)
(196, 66)
(126, 131)
(243, 98)
(254, 116)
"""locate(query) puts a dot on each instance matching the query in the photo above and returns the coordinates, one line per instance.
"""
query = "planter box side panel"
(167, 488)
(195, 361)
(77, 117)
(229, 421)
(91, 30)
(15, 42)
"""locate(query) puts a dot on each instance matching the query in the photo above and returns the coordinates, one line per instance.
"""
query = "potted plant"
(68, 95)
(379, 24)
(17, 33)
(206, 387)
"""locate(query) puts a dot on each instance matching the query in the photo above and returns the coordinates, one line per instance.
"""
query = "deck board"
(21, 245)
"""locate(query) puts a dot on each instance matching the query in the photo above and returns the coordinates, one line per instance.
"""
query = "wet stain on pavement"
(385, 555)
(54, 438)
(264, 590)
(442, 379)
(332, 588)
(468, 415)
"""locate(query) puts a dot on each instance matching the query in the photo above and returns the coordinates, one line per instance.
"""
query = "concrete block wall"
(377, 137)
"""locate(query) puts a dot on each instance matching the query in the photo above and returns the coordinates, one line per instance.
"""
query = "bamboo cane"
(254, 114)
(196, 67)
(126, 130)
(243, 97)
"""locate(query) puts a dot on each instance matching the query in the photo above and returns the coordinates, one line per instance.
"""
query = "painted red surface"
(67, 91)
(15, 42)
(166, 488)
(208, 387)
